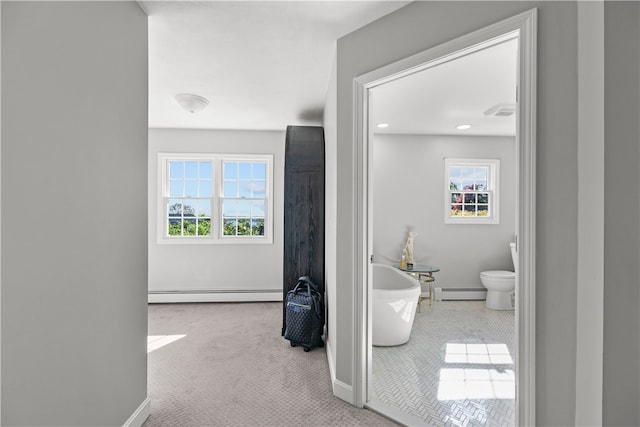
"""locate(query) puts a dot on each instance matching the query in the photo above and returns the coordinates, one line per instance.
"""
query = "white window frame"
(493, 184)
(216, 236)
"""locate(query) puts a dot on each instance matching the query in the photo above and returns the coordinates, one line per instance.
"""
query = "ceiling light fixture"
(192, 103)
(383, 125)
(463, 127)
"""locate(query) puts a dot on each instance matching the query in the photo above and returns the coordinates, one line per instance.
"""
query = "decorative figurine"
(408, 247)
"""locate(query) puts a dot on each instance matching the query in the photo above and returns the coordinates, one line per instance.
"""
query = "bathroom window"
(471, 191)
(208, 198)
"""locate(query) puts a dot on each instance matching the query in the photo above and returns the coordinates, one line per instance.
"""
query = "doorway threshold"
(394, 414)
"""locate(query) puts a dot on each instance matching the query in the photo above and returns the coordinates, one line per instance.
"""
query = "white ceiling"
(436, 100)
(264, 65)
(261, 64)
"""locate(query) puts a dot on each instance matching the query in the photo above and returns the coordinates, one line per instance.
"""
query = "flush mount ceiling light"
(192, 103)
(463, 127)
(383, 125)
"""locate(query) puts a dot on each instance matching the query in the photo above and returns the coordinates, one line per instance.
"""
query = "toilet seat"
(498, 274)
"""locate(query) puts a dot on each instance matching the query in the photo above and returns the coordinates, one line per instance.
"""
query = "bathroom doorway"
(520, 32)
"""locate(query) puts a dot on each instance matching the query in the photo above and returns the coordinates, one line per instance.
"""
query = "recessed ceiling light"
(383, 125)
(463, 127)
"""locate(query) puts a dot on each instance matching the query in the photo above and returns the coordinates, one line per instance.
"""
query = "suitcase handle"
(310, 285)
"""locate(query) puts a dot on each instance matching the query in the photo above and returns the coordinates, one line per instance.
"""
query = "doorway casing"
(524, 27)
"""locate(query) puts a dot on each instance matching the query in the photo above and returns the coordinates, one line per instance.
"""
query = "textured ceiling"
(262, 65)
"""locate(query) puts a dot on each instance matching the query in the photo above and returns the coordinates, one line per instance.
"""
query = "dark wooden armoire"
(303, 208)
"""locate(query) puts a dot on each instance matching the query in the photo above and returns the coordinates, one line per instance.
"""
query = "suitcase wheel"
(292, 344)
(306, 349)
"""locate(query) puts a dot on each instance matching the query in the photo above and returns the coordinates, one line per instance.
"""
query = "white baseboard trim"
(343, 391)
(140, 415)
(459, 294)
(177, 297)
(340, 389)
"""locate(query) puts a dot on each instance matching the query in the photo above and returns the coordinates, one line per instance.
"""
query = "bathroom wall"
(216, 271)
(408, 194)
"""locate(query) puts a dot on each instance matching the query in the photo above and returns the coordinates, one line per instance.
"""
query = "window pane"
(231, 189)
(470, 198)
(191, 188)
(176, 169)
(205, 188)
(244, 170)
(259, 188)
(174, 208)
(206, 170)
(483, 197)
(260, 170)
(257, 227)
(189, 227)
(204, 227)
(188, 209)
(175, 188)
(245, 189)
(467, 173)
(191, 169)
(230, 170)
(481, 174)
(229, 208)
(483, 210)
(455, 184)
(467, 184)
(257, 208)
(244, 227)
(244, 208)
(204, 208)
(455, 171)
(175, 227)
(469, 210)
(229, 227)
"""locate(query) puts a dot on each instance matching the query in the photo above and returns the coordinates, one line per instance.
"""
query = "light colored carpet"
(233, 368)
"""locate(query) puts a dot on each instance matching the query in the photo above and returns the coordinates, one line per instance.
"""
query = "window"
(471, 191)
(215, 198)
(244, 198)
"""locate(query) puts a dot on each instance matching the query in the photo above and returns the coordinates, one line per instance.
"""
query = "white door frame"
(524, 25)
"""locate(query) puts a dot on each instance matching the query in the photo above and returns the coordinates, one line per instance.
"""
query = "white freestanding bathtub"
(395, 298)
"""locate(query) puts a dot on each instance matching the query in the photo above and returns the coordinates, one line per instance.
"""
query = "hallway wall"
(411, 30)
(74, 212)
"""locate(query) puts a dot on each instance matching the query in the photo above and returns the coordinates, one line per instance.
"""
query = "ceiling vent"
(501, 110)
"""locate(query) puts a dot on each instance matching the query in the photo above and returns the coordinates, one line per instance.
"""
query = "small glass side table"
(424, 274)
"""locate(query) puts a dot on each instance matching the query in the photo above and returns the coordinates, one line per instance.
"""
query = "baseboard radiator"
(459, 294)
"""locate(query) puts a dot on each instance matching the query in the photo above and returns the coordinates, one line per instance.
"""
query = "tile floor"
(456, 370)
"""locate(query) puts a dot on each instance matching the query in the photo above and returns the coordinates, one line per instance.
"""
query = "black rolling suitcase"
(304, 315)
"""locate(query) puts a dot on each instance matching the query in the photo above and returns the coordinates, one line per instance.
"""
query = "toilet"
(501, 285)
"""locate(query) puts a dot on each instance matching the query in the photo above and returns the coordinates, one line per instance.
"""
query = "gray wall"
(408, 194)
(216, 267)
(422, 25)
(622, 227)
(74, 212)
